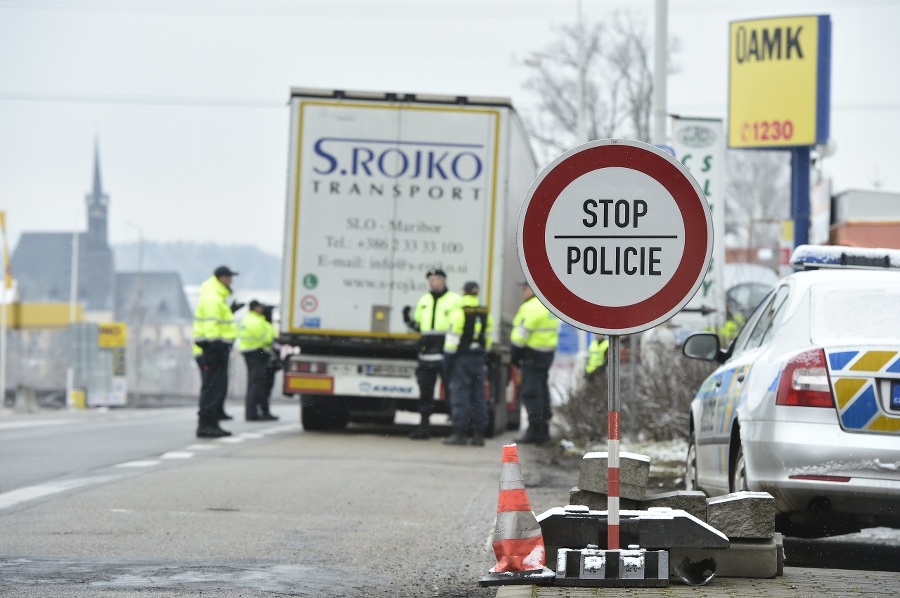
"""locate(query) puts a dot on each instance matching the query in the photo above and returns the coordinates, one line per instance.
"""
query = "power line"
(68, 98)
(201, 102)
(305, 8)
(408, 8)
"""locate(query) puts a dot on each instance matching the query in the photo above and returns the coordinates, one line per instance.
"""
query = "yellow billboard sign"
(7, 274)
(111, 335)
(36, 316)
(779, 82)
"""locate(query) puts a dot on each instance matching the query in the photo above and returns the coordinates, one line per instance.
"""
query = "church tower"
(97, 206)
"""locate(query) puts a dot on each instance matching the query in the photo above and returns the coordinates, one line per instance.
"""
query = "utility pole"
(660, 69)
(582, 132)
(5, 288)
(73, 299)
(139, 315)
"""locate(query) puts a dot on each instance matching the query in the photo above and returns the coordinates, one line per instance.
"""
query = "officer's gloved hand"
(236, 306)
(407, 320)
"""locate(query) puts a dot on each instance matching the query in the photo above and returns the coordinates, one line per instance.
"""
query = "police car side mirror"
(702, 345)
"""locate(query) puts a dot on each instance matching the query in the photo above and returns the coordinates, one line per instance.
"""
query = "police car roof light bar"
(813, 257)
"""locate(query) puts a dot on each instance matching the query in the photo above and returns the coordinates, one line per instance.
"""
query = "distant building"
(42, 261)
(153, 305)
(866, 219)
(157, 303)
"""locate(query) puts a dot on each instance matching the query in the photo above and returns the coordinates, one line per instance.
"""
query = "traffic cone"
(518, 542)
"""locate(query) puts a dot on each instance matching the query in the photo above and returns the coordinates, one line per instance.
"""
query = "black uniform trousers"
(214, 382)
(256, 401)
(270, 383)
(467, 393)
(427, 375)
(535, 390)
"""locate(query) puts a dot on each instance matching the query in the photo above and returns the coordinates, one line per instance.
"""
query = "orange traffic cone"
(518, 542)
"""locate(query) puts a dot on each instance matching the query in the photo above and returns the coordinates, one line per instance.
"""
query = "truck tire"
(317, 414)
(497, 413)
(380, 420)
(513, 404)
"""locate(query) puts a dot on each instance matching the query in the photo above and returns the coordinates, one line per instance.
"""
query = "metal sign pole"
(612, 462)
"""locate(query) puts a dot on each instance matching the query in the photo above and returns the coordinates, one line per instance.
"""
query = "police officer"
(255, 337)
(596, 363)
(274, 363)
(214, 333)
(465, 350)
(533, 341)
(732, 326)
(431, 318)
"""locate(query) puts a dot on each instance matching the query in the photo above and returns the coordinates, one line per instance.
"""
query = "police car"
(806, 402)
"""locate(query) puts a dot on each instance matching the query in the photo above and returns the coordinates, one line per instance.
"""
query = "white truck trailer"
(382, 187)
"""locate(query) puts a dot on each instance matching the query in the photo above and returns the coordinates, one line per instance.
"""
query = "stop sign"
(615, 236)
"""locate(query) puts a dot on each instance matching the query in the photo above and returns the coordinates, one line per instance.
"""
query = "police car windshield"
(865, 310)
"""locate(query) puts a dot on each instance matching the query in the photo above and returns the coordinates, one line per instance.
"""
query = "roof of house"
(42, 266)
(160, 293)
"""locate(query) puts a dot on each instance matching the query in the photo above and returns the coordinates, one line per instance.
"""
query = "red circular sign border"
(315, 303)
(688, 273)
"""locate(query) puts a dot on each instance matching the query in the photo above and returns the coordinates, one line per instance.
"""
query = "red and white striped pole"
(612, 451)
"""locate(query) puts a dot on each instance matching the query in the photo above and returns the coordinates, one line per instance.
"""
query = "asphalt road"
(129, 503)
(270, 511)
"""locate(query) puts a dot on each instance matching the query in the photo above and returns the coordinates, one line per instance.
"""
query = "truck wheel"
(513, 405)
(312, 418)
(496, 400)
(339, 416)
(380, 420)
(316, 414)
(514, 418)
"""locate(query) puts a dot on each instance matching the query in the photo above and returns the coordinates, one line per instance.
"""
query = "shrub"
(654, 396)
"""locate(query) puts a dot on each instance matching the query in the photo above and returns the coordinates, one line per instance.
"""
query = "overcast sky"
(188, 97)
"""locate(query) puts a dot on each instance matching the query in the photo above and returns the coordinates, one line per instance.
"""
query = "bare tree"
(618, 83)
(757, 197)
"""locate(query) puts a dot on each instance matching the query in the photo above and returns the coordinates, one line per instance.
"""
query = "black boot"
(531, 434)
(421, 432)
(543, 433)
(210, 429)
(477, 439)
(457, 438)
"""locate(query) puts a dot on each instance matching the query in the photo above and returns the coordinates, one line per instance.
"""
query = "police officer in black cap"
(431, 319)
(214, 332)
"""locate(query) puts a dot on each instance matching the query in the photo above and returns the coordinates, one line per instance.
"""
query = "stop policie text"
(628, 260)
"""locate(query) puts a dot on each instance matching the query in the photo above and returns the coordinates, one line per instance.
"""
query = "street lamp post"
(5, 288)
(582, 132)
(73, 300)
(660, 72)
(139, 292)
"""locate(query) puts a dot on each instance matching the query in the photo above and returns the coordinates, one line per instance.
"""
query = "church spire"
(97, 204)
(98, 185)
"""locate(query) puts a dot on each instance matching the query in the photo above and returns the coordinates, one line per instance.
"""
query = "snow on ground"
(666, 457)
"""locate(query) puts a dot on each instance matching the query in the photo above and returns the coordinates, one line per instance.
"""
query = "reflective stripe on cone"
(518, 542)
